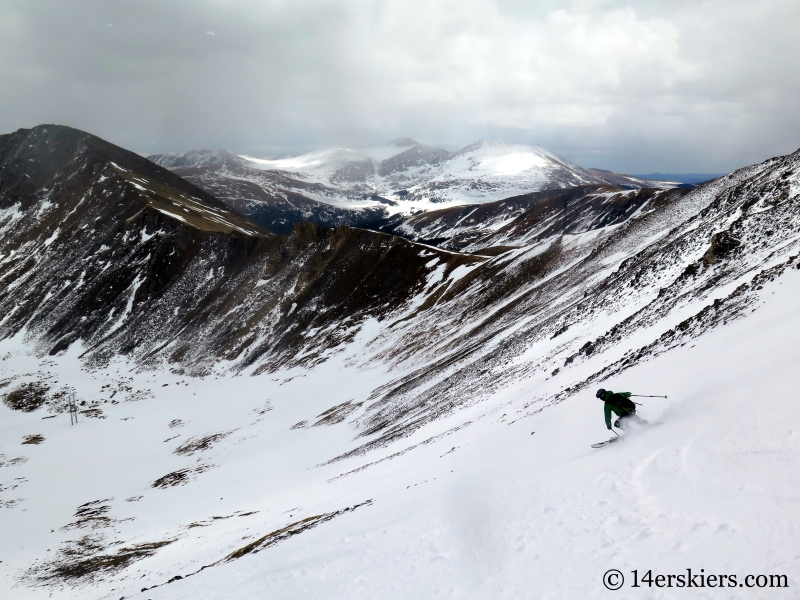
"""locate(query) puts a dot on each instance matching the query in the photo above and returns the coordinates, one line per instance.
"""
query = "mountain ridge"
(168, 265)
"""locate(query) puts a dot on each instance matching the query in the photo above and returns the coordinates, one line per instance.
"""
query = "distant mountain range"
(363, 186)
(688, 178)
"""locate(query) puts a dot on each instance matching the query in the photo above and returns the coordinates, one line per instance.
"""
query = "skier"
(621, 405)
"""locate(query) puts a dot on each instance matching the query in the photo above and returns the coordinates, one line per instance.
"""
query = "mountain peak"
(483, 143)
(403, 142)
(192, 158)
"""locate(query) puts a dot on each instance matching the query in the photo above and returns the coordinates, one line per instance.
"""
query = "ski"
(606, 443)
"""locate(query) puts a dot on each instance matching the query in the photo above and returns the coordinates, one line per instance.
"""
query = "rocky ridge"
(103, 248)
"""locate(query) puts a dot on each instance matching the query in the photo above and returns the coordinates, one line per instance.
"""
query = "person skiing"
(621, 405)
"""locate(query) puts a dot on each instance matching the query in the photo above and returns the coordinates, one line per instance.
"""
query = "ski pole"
(643, 396)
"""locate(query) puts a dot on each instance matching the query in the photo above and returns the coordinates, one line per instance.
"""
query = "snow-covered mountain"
(345, 413)
(415, 176)
(276, 199)
(361, 186)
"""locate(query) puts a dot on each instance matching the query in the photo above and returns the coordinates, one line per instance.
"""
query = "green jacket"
(612, 407)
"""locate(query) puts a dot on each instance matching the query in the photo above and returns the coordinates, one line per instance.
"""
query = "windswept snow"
(326, 161)
(511, 163)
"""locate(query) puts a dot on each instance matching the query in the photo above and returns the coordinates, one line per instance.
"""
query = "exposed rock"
(722, 244)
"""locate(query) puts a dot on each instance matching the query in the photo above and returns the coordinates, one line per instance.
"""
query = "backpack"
(624, 403)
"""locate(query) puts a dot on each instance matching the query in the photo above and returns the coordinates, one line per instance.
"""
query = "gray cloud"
(632, 86)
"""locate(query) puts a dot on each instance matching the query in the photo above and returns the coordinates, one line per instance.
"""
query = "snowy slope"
(488, 170)
(489, 510)
(400, 460)
(494, 227)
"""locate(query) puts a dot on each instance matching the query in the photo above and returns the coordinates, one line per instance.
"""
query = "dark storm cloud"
(635, 86)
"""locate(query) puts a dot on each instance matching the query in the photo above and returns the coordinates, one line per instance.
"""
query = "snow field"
(712, 485)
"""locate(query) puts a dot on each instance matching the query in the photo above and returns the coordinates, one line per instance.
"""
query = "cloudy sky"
(633, 86)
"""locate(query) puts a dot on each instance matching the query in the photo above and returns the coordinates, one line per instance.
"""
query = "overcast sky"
(636, 86)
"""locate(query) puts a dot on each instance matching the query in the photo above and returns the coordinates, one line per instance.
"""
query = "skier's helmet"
(600, 393)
